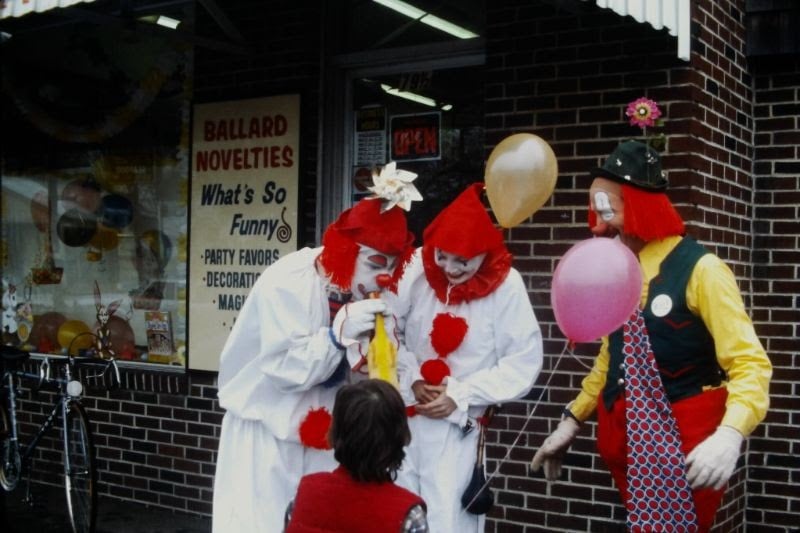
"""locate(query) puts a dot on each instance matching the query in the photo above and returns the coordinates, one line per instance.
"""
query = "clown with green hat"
(707, 375)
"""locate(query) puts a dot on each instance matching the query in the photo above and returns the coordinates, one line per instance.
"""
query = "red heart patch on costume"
(447, 333)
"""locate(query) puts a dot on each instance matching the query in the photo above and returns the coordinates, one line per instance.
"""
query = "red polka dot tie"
(659, 496)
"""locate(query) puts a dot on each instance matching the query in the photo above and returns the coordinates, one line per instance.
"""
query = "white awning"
(671, 14)
(17, 8)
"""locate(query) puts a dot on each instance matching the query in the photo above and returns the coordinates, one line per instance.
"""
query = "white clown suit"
(498, 358)
(284, 361)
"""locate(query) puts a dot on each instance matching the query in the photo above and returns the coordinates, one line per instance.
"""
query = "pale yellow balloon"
(520, 177)
(77, 331)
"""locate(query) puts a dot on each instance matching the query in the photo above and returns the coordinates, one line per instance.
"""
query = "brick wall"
(155, 437)
(774, 466)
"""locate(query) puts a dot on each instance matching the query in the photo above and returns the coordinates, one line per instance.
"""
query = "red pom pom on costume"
(447, 333)
(434, 371)
(411, 410)
(314, 429)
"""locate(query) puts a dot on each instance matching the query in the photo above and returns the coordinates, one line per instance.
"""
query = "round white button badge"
(661, 305)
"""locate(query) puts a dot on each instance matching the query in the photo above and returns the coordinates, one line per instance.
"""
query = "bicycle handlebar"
(44, 374)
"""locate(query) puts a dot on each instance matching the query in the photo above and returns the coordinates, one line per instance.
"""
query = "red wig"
(365, 224)
(649, 216)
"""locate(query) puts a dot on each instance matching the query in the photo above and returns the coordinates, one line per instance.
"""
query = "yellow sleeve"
(584, 405)
(712, 293)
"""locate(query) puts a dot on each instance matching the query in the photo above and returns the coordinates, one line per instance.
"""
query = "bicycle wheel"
(10, 461)
(80, 474)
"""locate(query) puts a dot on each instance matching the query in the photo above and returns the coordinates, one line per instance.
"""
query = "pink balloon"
(596, 287)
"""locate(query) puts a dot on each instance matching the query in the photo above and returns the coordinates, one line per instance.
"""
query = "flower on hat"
(394, 187)
(643, 112)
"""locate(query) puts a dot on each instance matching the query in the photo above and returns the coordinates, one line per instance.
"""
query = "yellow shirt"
(713, 295)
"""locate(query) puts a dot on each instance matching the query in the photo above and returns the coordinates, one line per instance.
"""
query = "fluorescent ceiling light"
(414, 97)
(161, 20)
(426, 18)
(167, 22)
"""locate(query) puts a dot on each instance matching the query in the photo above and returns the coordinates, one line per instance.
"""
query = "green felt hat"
(636, 164)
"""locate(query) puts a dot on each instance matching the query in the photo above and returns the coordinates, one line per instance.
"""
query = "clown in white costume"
(299, 336)
(470, 324)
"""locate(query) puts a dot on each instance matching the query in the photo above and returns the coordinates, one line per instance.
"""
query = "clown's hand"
(712, 462)
(554, 447)
(356, 319)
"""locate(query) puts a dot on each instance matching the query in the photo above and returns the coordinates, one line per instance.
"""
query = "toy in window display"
(47, 273)
(84, 193)
(44, 334)
(76, 227)
(105, 349)
(153, 252)
(9, 312)
(75, 337)
(25, 319)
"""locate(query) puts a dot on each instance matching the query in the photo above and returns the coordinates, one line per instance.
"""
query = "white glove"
(355, 319)
(711, 463)
(554, 447)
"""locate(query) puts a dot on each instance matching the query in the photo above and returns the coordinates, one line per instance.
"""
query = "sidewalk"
(49, 515)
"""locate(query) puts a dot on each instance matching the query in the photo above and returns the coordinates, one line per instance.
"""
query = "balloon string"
(571, 348)
(567, 347)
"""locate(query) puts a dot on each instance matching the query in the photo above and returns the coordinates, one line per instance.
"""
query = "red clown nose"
(383, 280)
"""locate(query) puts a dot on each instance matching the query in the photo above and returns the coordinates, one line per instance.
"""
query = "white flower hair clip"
(394, 187)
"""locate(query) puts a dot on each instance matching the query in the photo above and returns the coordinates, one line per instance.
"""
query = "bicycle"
(80, 471)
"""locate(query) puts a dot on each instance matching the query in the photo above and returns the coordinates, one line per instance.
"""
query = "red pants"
(697, 418)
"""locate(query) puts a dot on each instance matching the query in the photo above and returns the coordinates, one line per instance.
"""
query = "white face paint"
(602, 206)
(457, 269)
(370, 264)
(605, 197)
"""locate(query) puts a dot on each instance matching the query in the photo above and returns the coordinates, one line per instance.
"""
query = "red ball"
(314, 429)
(434, 371)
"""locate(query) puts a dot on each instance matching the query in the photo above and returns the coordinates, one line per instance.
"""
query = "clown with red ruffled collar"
(476, 342)
(300, 335)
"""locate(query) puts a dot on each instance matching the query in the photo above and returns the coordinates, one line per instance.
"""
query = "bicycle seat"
(12, 354)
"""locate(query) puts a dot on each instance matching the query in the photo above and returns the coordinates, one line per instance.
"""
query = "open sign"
(416, 137)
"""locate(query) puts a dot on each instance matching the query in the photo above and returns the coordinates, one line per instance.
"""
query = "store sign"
(18, 8)
(244, 199)
(416, 137)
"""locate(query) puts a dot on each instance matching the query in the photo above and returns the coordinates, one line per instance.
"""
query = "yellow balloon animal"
(520, 177)
(382, 353)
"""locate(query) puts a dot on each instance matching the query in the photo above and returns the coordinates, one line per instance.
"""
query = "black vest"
(683, 347)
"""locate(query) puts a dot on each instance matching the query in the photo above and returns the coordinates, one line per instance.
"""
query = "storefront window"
(429, 122)
(94, 192)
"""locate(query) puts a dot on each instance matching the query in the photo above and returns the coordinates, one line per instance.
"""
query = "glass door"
(429, 120)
